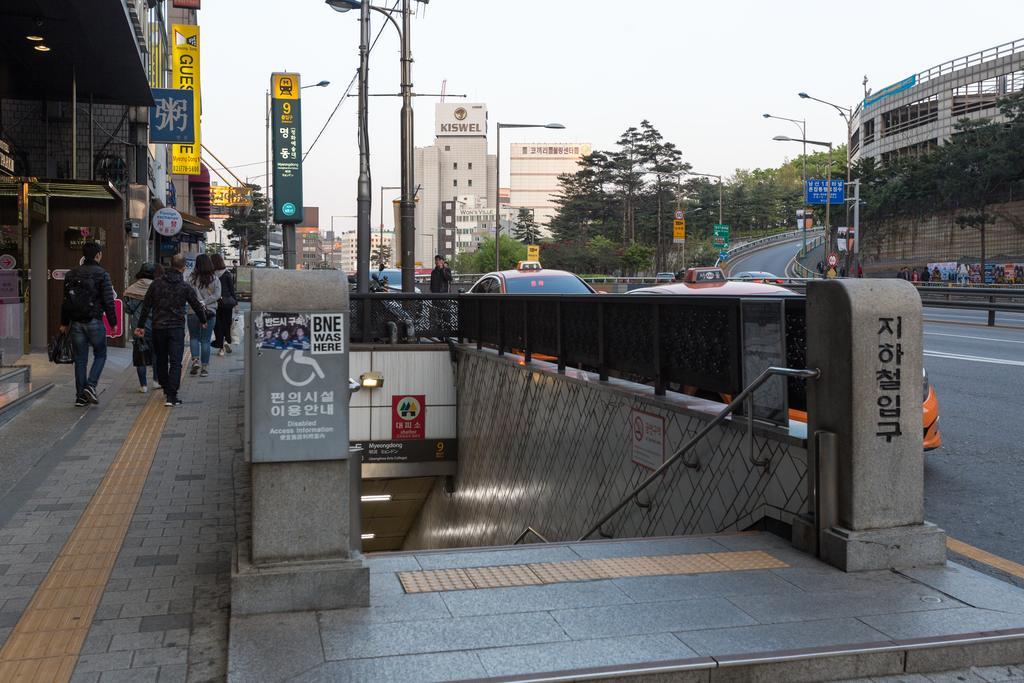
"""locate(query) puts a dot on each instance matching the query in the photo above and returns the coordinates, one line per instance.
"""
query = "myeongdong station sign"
(465, 119)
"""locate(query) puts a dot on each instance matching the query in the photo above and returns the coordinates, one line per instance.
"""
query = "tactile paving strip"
(434, 580)
(47, 639)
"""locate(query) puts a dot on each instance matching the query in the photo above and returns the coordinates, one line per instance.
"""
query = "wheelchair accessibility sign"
(299, 393)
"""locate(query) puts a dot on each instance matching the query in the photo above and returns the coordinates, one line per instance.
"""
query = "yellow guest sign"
(679, 230)
(185, 76)
(533, 252)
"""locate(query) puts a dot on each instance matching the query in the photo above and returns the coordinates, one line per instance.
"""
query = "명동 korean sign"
(286, 125)
(408, 417)
(299, 387)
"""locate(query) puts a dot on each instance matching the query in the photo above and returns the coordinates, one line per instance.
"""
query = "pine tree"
(249, 231)
(526, 229)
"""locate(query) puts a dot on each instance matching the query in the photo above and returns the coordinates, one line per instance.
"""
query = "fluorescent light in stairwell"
(376, 498)
(368, 537)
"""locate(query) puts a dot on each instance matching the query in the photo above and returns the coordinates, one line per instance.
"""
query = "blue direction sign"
(171, 118)
(816, 191)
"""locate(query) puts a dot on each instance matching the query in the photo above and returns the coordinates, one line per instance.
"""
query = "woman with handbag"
(225, 307)
(142, 347)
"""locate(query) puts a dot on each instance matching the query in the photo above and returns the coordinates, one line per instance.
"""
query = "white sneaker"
(143, 389)
(227, 347)
(221, 351)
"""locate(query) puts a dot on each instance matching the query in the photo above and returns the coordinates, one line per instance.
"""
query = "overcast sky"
(701, 72)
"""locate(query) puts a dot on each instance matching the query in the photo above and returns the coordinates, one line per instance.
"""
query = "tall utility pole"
(266, 197)
(407, 212)
(364, 197)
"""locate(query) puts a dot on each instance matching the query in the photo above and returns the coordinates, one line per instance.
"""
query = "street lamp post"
(712, 175)
(389, 187)
(802, 125)
(408, 205)
(497, 181)
(847, 114)
(828, 181)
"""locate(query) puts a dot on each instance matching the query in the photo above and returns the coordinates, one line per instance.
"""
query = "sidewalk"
(94, 586)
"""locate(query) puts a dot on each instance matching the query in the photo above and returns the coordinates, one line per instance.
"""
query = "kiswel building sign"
(185, 76)
(464, 119)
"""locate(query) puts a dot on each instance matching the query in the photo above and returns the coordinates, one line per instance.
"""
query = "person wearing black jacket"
(225, 307)
(166, 300)
(88, 296)
(440, 276)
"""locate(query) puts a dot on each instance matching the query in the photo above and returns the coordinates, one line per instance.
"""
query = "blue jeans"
(86, 335)
(199, 338)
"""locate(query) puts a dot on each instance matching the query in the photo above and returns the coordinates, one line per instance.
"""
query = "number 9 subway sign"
(286, 134)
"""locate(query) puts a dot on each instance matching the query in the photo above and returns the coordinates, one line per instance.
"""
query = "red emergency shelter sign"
(408, 417)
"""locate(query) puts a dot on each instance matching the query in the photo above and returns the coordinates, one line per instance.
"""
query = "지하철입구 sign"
(285, 111)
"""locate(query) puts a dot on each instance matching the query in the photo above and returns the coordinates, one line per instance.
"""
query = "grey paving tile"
(411, 607)
(791, 636)
(165, 622)
(108, 661)
(155, 560)
(115, 626)
(420, 637)
(683, 586)
(177, 673)
(997, 674)
(527, 659)
(85, 677)
(963, 676)
(942, 622)
(144, 609)
(772, 609)
(160, 656)
(274, 647)
(95, 643)
(633, 548)
(971, 587)
(823, 579)
(9, 619)
(392, 563)
(760, 540)
(148, 675)
(652, 617)
(494, 558)
(444, 666)
(533, 598)
(136, 641)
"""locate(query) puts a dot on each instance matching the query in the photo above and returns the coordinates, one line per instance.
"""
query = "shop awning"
(195, 224)
(75, 189)
(95, 41)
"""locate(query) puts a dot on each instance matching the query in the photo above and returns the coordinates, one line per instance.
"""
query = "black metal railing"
(665, 341)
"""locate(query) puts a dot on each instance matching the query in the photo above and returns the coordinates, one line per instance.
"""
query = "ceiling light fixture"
(368, 537)
(376, 498)
(34, 39)
(41, 48)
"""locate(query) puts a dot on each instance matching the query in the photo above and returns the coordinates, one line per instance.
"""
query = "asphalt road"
(773, 259)
(973, 483)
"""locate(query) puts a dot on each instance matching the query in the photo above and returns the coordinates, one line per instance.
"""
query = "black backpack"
(80, 298)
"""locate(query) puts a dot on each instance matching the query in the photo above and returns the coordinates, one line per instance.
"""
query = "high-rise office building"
(534, 171)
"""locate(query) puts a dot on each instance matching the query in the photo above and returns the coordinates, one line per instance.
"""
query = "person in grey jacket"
(207, 286)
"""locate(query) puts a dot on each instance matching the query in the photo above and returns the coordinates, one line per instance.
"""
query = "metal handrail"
(735, 403)
(530, 530)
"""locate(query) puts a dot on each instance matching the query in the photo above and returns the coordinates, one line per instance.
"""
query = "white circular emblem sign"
(167, 222)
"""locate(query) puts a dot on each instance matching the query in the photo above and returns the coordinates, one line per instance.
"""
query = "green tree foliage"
(526, 229)
(248, 232)
(381, 255)
(636, 258)
(482, 260)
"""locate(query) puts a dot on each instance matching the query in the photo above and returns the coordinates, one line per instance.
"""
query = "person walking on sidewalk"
(166, 300)
(133, 297)
(88, 296)
(225, 307)
(207, 286)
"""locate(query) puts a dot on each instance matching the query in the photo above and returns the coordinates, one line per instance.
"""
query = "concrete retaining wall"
(555, 452)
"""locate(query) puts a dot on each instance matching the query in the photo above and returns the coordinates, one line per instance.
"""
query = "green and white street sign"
(720, 237)
(286, 124)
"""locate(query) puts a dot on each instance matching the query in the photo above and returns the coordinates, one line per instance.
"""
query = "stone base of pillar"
(893, 548)
(296, 586)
